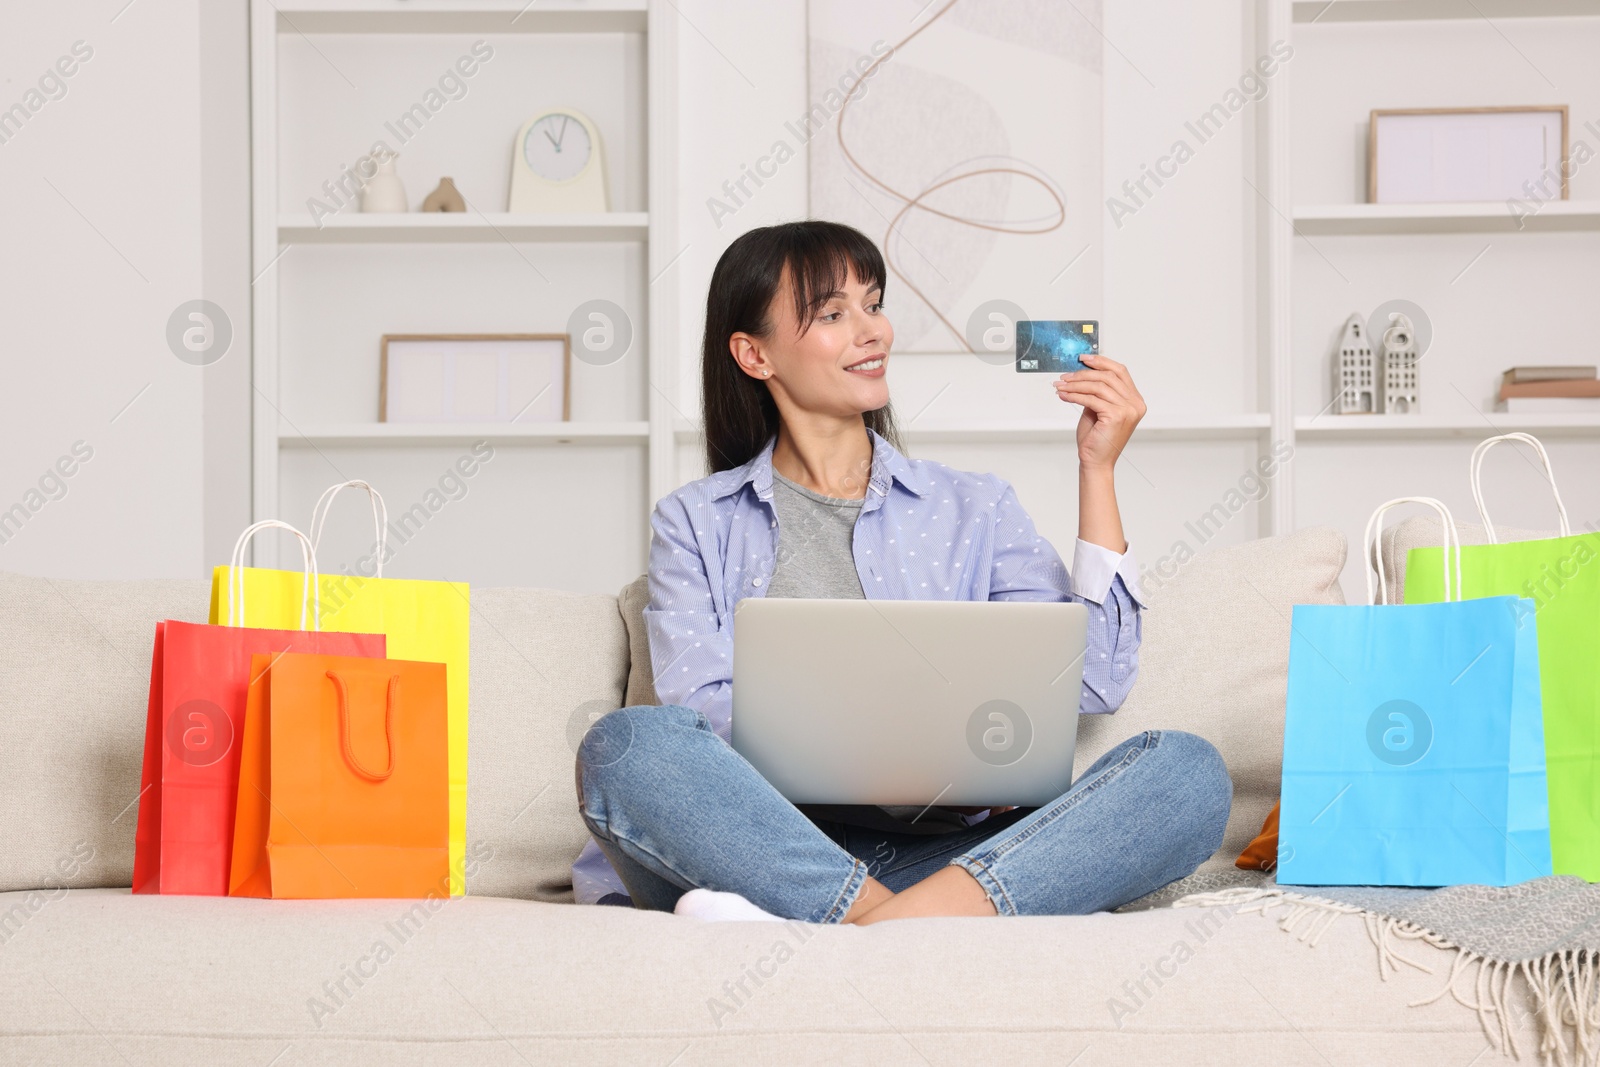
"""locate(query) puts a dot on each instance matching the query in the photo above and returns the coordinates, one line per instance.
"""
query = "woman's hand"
(1112, 407)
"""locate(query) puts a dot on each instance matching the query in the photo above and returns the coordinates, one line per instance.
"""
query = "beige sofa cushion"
(631, 602)
(74, 683)
(487, 981)
(1214, 661)
(1426, 531)
(75, 675)
(544, 665)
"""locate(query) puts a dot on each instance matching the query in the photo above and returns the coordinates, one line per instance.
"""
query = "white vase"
(384, 190)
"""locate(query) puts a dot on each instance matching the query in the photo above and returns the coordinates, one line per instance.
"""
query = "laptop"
(892, 702)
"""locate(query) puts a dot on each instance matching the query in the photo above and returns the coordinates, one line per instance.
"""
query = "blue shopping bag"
(1413, 747)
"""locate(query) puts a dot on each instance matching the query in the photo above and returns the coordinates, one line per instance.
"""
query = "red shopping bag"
(199, 678)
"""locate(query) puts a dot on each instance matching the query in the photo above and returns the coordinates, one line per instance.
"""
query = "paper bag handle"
(1477, 486)
(1374, 534)
(380, 516)
(309, 594)
(388, 726)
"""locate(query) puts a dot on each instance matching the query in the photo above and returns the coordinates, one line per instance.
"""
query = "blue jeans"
(674, 807)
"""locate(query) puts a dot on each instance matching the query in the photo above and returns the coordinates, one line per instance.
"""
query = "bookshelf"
(326, 75)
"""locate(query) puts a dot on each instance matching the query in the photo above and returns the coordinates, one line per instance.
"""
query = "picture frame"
(1513, 144)
(501, 378)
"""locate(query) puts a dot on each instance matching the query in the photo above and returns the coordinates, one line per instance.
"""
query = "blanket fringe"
(1560, 989)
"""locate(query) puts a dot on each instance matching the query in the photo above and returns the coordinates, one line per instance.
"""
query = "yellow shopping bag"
(426, 621)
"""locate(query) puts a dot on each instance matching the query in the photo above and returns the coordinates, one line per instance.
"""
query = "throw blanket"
(1541, 938)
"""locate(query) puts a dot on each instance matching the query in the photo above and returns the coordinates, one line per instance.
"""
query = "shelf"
(1491, 216)
(428, 433)
(429, 16)
(1216, 427)
(1327, 11)
(432, 227)
(1489, 423)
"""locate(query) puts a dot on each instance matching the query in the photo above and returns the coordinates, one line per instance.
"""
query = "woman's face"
(838, 366)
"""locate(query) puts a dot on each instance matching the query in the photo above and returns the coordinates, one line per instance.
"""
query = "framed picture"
(1454, 154)
(475, 377)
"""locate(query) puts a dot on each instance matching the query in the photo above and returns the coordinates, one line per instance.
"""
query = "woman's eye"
(829, 316)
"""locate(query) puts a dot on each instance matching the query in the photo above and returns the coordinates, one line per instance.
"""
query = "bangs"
(820, 261)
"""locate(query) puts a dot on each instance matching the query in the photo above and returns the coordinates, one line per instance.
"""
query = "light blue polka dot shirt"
(925, 532)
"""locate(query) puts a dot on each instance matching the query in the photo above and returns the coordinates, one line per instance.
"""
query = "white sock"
(712, 906)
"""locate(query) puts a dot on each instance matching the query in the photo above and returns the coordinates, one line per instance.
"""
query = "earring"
(764, 373)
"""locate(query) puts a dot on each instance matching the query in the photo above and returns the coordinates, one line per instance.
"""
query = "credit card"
(1053, 346)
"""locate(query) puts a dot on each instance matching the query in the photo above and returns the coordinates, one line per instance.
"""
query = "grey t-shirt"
(815, 532)
(816, 560)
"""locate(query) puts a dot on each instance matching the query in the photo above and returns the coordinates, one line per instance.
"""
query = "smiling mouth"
(867, 365)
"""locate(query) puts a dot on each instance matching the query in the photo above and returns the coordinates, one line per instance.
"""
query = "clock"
(557, 164)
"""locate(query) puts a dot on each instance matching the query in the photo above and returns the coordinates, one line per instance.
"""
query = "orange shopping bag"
(344, 786)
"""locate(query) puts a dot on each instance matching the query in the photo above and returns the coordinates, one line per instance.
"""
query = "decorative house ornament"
(384, 192)
(557, 164)
(1354, 384)
(1399, 365)
(445, 198)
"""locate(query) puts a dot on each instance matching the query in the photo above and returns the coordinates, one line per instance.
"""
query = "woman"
(811, 497)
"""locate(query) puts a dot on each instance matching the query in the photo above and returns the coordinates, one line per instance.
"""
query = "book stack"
(1568, 389)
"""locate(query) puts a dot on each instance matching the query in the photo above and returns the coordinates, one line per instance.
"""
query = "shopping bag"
(199, 676)
(1561, 575)
(424, 620)
(1413, 749)
(344, 781)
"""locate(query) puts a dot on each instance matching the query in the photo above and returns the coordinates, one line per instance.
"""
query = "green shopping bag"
(1561, 576)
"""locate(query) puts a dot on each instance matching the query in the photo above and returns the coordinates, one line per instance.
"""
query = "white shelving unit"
(304, 341)
(1331, 11)
(1558, 216)
(1355, 427)
(1428, 240)
(318, 314)
(564, 433)
(923, 431)
(471, 226)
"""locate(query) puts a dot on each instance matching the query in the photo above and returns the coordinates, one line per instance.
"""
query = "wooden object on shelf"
(446, 197)
(1570, 387)
(1549, 405)
(1414, 155)
(1555, 373)
(465, 377)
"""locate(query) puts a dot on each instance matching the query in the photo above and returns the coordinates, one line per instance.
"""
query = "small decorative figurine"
(1400, 365)
(383, 191)
(1353, 384)
(445, 198)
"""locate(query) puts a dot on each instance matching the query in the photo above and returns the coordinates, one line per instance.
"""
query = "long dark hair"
(740, 415)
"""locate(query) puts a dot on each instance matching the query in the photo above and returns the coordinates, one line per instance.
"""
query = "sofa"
(514, 973)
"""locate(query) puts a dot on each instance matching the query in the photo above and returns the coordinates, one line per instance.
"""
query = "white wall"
(1177, 279)
(1495, 299)
(1181, 295)
(103, 197)
(97, 254)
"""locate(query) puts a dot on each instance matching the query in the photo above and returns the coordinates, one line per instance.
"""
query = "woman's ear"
(747, 353)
